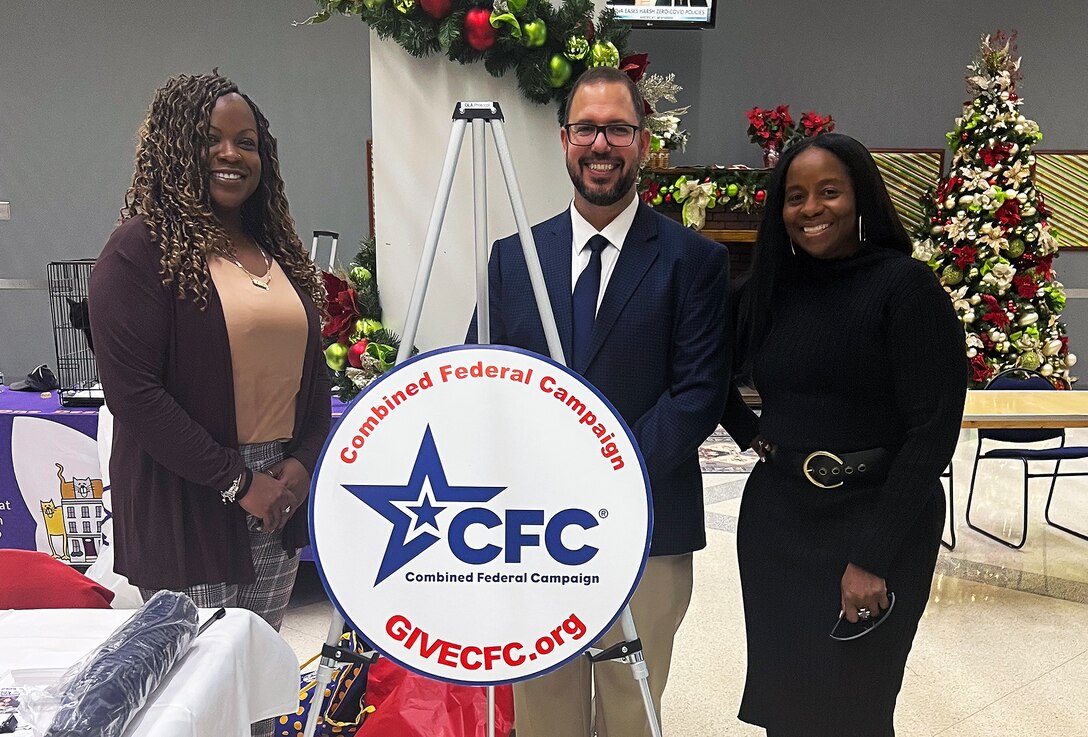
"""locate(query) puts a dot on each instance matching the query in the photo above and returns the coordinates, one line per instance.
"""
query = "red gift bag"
(409, 705)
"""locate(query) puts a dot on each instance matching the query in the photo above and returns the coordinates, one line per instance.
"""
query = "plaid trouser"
(268, 595)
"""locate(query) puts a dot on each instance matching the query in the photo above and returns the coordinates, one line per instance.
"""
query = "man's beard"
(601, 197)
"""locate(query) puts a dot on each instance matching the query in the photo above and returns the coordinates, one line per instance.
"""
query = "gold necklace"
(261, 282)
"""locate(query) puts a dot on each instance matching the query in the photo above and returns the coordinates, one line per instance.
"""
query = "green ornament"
(404, 6)
(576, 49)
(604, 54)
(657, 200)
(336, 356)
(535, 33)
(732, 190)
(1016, 248)
(951, 275)
(361, 275)
(559, 71)
(1030, 360)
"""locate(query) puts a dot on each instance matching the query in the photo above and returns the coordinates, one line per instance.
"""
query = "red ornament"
(479, 33)
(761, 194)
(356, 352)
(668, 198)
(437, 9)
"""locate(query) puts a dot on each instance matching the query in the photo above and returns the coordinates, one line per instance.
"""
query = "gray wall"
(76, 78)
(890, 73)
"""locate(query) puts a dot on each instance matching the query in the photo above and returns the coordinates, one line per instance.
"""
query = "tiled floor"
(1002, 649)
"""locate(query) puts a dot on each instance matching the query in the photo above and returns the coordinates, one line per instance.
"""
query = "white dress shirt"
(615, 232)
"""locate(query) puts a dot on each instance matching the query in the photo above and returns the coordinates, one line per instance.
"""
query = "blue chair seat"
(1042, 454)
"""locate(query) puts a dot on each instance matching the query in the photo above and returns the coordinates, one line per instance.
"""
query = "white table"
(239, 671)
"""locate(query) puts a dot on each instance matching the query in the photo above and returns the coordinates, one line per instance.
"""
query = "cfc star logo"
(415, 509)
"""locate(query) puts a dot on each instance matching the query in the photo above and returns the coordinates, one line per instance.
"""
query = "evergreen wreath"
(546, 47)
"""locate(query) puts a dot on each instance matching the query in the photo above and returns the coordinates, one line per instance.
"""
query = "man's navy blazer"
(660, 348)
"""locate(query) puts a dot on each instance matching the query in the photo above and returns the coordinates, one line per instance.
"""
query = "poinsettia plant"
(770, 128)
(812, 124)
(774, 128)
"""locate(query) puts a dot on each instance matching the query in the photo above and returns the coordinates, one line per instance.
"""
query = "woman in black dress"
(859, 361)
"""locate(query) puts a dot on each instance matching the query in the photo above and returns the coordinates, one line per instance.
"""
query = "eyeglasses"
(845, 630)
(615, 134)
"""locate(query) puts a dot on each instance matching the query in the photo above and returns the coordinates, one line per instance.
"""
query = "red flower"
(950, 185)
(813, 124)
(980, 370)
(769, 128)
(651, 191)
(995, 154)
(1009, 213)
(965, 255)
(1025, 285)
(634, 66)
(341, 309)
(1045, 269)
(994, 314)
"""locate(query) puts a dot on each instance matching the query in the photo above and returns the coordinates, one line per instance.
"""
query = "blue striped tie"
(584, 301)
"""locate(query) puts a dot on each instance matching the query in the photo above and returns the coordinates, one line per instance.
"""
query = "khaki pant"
(559, 704)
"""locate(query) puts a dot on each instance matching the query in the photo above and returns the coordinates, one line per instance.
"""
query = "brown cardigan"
(165, 366)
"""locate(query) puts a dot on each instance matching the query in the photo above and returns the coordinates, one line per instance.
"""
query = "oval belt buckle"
(808, 474)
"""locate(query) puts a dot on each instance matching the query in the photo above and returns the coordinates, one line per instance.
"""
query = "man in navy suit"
(640, 305)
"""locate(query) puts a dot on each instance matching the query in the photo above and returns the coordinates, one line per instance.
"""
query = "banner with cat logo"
(481, 514)
(51, 489)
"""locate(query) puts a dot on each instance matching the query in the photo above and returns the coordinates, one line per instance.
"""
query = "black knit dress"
(863, 352)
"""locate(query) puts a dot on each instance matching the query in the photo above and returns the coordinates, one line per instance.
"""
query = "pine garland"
(545, 68)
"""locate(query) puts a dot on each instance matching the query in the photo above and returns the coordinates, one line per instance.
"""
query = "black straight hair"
(773, 256)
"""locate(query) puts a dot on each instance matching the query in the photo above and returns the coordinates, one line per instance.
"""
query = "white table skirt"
(239, 671)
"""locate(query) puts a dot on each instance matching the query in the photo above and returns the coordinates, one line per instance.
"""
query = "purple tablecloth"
(50, 479)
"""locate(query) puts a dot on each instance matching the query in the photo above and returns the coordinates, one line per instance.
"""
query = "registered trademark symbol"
(603, 513)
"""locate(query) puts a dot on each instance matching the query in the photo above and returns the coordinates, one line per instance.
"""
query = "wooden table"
(1025, 409)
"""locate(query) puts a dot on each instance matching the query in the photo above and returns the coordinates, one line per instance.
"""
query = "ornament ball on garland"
(479, 33)
(437, 9)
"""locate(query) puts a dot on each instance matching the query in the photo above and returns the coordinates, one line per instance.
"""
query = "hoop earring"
(861, 230)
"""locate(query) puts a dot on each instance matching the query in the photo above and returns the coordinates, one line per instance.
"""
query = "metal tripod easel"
(481, 114)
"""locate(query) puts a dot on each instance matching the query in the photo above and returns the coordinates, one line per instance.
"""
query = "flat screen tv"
(665, 13)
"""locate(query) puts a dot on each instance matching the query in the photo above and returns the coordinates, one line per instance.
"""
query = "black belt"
(828, 470)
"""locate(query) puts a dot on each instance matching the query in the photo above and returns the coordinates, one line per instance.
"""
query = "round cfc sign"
(480, 515)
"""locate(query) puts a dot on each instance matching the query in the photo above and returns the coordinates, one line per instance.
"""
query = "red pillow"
(31, 580)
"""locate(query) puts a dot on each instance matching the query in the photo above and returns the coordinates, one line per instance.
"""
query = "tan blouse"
(267, 332)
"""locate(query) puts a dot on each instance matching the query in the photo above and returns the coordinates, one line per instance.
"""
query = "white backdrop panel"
(412, 102)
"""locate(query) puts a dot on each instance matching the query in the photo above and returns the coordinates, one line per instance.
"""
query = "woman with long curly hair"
(205, 313)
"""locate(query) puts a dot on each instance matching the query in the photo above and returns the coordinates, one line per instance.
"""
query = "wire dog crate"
(77, 372)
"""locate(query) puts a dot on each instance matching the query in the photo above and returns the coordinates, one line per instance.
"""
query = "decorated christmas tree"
(358, 348)
(985, 231)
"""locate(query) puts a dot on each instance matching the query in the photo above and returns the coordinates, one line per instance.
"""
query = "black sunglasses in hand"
(846, 630)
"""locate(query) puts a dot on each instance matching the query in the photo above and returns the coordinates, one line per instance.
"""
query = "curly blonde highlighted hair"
(170, 190)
